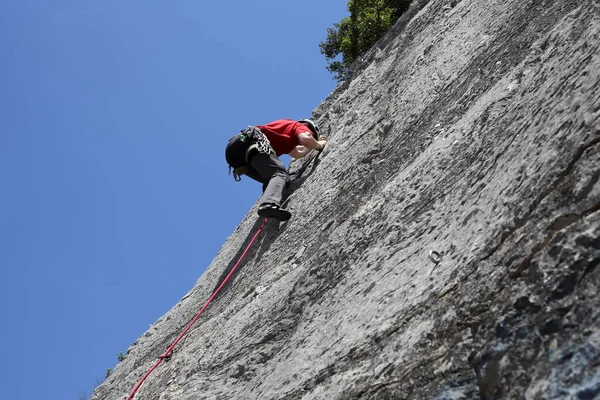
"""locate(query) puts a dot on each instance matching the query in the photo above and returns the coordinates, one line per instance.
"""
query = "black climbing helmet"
(312, 126)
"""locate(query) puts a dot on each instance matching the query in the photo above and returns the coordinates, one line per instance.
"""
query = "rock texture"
(445, 245)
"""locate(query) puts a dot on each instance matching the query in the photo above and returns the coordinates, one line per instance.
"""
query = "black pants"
(264, 168)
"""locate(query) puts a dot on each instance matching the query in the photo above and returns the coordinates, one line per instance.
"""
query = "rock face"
(445, 245)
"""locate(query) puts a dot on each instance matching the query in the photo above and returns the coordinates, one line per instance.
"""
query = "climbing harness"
(167, 354)
(262, 143)
(256, 141)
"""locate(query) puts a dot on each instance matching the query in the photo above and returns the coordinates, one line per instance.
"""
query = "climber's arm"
(307, 140)
(299, 152)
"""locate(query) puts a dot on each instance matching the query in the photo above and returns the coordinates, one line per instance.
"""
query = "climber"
(255, 152)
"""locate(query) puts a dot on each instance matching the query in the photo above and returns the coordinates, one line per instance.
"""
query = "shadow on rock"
(298, 177)
(237, 258)
(271, 231)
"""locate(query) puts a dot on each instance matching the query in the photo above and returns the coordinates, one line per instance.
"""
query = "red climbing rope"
(189, 326)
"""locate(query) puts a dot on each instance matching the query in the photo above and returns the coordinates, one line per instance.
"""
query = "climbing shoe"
(273, 211)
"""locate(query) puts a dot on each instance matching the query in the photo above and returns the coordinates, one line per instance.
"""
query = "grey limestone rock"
(472, 129)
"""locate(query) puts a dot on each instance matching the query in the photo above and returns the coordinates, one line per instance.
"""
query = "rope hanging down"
(169, 350)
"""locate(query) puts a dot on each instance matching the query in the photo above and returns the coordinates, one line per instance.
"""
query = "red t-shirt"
(283, 134)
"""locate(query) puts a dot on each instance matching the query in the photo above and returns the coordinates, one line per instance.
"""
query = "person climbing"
(255, 152)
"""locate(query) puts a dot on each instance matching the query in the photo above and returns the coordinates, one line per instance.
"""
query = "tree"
(354, 35)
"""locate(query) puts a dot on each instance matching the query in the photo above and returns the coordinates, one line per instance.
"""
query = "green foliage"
(121, 356)
(108, 372)
(354, 35)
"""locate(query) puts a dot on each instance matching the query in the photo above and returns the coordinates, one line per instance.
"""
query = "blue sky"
(115, 195)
